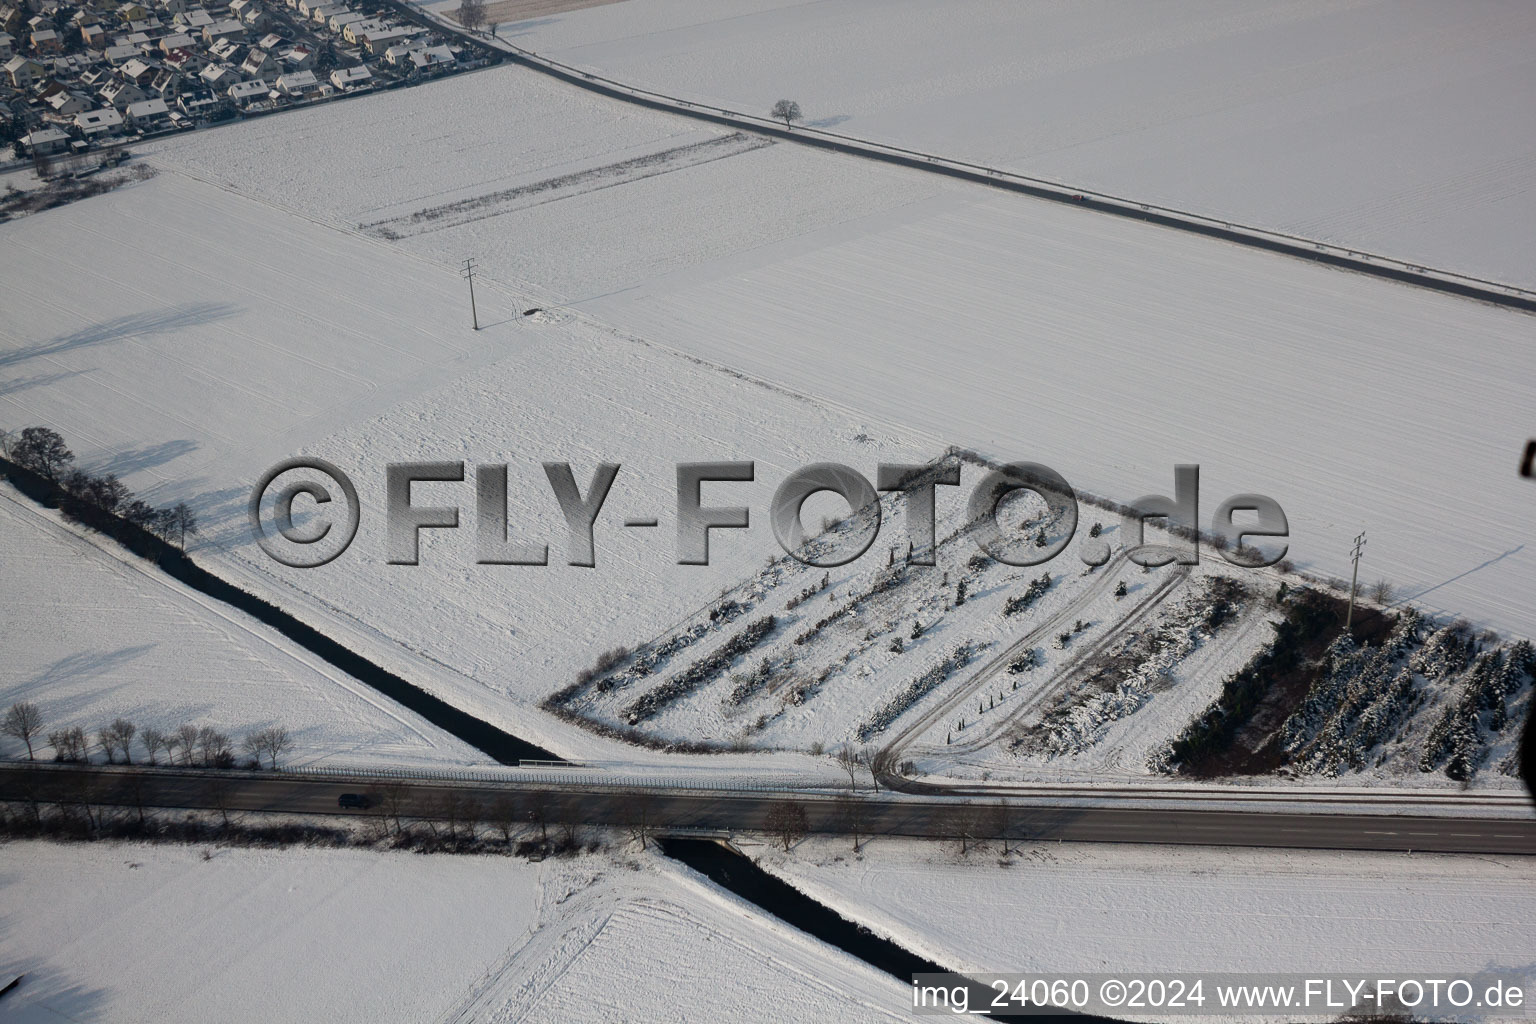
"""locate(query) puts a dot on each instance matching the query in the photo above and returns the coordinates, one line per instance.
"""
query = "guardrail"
(630, 777)
(1376, 264)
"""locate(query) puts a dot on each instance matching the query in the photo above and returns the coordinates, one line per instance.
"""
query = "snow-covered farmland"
(1101, 908)
(1382, 125)
(1112, 351)
(558, 193)
(1109, 350)
(125, 932)
(93, 633)
(955, 665)
(396, 374)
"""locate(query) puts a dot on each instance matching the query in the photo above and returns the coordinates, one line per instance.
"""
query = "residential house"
(339, 22)
(323, 14)
(46, 40)
(356, 32)
(139, 71)
(378, 43)
(165, 84)
(64, 104)
(46, 141)
(23, 71)
(130, 12)
(183, 61)
(245, 93)
(427, 58)
(230, 51)
(119, 94)
(219, 77)
(148, 115)
(120, 53)
(7, 46)
(298, 84)
(300, 58)
(176, 41)
(352, 78)
(226, 29)
(193, 19)
(93, 123)
(270, 41)
(259, 64)
(94, 37)
(196, 103)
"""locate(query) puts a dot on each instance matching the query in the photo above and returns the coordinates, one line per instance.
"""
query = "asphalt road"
(868, 814)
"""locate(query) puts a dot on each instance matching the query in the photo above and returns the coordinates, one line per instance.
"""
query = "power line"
(468, 274)
(1354, 580)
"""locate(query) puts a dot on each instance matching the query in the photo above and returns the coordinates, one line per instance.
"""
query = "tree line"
(189, 746)
(100, 501)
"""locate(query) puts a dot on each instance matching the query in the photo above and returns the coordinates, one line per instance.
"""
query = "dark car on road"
(357, 800)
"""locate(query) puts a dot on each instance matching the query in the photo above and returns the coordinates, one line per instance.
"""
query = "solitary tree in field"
(23, 721)
(786, 111)
(471, 14)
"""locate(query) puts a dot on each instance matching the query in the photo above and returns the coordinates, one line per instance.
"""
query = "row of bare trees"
(94, 500)
(972, 826)
(188, 745)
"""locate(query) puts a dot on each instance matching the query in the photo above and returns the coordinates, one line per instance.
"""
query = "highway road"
(728, 811)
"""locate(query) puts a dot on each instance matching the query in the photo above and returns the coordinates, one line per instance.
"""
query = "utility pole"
(1354, 580)
(468, 273)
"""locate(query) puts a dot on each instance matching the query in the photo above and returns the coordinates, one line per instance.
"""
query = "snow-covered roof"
(148, 108)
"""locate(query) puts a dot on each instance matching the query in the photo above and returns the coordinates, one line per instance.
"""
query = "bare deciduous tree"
(214, 748)
(787, 111)
(851, 761)
(118, 736)
(1000, 823)
(23, 721)
(853, 818)
(154, 741)
(471, 14)
(537, 811)
(69, 745)
(272, 743)
(503, 818)
(1381, 593)
(186, 739)
(43, 451)
(392, 800)
(640, 814)
(787, 822)
(184, 521)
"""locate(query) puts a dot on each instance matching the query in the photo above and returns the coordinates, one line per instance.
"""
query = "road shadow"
(121, 328)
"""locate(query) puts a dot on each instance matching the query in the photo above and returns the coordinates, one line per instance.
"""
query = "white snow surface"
(1386, 126)
(126, 932)
(1106, 349)
(1097, 908)
(94, 632)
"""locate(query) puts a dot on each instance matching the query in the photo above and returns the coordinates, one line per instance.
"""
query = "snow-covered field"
(558, 194)
(1108, 350)
(1098, 908)
(915, 313)
(93, 633)
(124, 932)
(1382, 125)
